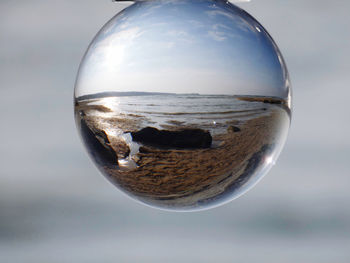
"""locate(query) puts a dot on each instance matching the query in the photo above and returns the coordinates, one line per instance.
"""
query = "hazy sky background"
(56, 207)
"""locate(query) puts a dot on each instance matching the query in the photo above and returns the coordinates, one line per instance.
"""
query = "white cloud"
(217, 35)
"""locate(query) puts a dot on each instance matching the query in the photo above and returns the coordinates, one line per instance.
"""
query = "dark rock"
(102, 137)
(98, 145)
(82, 113)
(233, 129)
(122, 149)
(183, 139)
(143, 149)
(273, 101)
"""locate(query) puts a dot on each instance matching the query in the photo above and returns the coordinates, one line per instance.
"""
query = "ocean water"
(211, 111)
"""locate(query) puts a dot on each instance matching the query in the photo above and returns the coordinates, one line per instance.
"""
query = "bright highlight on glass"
(183, 104)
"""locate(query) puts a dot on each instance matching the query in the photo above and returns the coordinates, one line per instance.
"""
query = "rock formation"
(233, 129)
(181, 139)
(98, 145)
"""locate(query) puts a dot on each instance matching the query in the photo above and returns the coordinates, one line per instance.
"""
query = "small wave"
(203, 113)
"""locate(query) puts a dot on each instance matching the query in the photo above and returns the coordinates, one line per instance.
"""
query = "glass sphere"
(183, 105)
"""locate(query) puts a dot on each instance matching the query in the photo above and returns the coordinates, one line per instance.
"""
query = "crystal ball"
(183, 105)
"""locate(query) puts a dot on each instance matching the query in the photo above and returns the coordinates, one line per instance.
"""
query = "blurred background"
(56, 207)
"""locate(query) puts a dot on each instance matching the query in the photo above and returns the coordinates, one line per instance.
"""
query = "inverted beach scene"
(183, 105)
(182, 150)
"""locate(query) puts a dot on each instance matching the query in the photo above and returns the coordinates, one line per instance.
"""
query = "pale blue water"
(205, 111)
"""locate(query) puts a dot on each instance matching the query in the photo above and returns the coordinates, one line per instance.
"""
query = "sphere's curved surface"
(183, 105)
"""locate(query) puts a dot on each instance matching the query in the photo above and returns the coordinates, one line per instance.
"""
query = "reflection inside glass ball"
(183, 105)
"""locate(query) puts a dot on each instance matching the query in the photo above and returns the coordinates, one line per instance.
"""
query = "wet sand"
(190, 177)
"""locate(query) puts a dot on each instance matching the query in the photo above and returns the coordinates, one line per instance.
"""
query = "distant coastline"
(124, 94)
(264, 99)
(249, 98)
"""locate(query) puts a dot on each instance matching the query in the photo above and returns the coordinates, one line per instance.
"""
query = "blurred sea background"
(56, 207)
